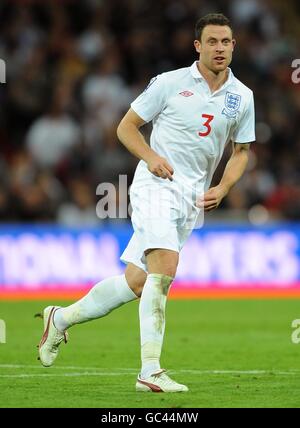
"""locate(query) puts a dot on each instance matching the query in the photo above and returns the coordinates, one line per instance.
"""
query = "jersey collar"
(197, 75)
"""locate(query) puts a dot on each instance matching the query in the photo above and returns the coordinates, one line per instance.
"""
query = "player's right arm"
(130, 136)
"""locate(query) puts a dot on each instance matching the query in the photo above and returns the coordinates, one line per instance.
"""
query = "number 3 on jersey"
(208, 118)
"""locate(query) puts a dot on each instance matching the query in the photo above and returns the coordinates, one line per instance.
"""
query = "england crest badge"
(232, 104)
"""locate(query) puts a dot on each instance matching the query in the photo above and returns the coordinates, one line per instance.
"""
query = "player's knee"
(137, 286)
(169, 270)
(136, 278)
(163, 262)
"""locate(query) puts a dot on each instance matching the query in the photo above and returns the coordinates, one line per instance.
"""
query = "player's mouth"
(219, 58)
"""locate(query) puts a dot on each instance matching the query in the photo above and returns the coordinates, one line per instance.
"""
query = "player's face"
(216, 47)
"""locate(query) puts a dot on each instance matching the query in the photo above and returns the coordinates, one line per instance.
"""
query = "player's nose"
(219, 47)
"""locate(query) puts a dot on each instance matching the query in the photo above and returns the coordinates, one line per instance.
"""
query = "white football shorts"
(162, 218)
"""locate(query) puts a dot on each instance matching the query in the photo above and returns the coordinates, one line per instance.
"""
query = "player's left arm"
(234, 169)
(236, 165)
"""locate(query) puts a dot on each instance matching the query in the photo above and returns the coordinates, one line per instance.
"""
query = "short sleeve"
(245, 132)
(152, 101)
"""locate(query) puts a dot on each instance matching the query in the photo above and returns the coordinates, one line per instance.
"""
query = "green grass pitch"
(231, 353)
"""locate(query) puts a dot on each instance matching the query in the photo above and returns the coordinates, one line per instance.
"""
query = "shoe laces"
(59, 337)
(164, 377)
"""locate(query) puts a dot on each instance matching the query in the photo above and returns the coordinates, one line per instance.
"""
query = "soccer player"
(195, 112)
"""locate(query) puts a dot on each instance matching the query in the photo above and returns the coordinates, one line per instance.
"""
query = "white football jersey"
(191, 125)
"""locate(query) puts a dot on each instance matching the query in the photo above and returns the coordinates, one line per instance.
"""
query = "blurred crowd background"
(73, 67)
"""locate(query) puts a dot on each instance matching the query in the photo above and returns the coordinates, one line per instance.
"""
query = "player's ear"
(197, 45)
(233, 43)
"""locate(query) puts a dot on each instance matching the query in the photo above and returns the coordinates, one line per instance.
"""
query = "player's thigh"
(162, 261)
(135, 278)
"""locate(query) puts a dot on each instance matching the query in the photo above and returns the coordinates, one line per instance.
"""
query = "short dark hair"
(210, 19)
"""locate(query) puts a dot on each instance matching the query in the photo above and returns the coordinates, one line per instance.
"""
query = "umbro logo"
(186, 93)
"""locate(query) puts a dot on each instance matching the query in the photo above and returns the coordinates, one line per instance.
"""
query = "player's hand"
(160, 167)
(212, 198)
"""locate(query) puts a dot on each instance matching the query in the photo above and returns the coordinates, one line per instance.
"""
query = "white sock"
(105, 296)
(152, 321)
